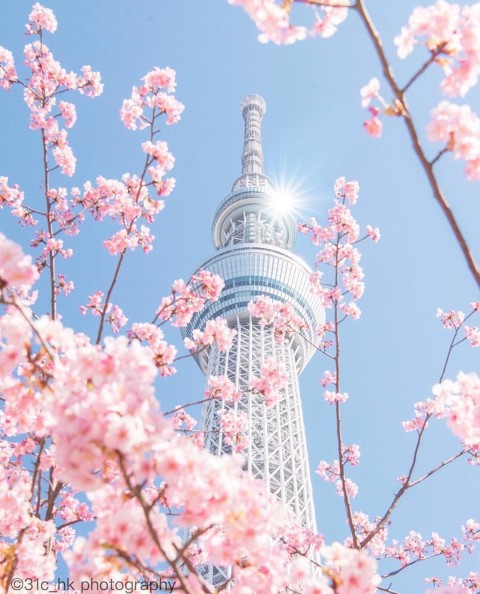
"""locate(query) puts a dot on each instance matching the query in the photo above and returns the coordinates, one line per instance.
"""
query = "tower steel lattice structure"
(253, 242)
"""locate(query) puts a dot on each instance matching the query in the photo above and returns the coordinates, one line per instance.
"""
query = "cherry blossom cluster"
(377, 106)
(48, 79)
(450, 34)
(215, 332)
(13, 197)
(8, 73)
(127, 202)
(16, 269)
(182, 420)
(222, 387)
(280, 315)
(163, 353)
(234, 426)
(370, 94)
(455, 585)
(273, 378)
(272, 19)
(471, 534)
(114, 313)
(455, 320)
(459, 401)
(154, 95)
(459, 128)
(351, 570)
(189, 298)
(366, 528)
(414, 548)
(331, 472)
(338, 252)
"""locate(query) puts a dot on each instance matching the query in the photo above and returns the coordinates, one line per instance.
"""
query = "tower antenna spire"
(253, 109)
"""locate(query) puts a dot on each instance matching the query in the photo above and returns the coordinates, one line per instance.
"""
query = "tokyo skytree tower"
(253, 240)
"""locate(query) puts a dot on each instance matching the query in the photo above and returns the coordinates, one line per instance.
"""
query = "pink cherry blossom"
(373, 233)
(8, 74)
(370, 91)
(461, 399)
(163, 353)
(215, 332)
(449, 31)
(222, 387)
(187, 299)
(333, 397)
(133, 111)
(235, 427)
(68, 112)
(351, 309)
(159, 78)
(65, 159)
(273, 378)
(16, 269)
(473, 335)
(116, 318)
(272, 20)
(327, 24)
(355, 570)
(281, 316)
(328, 378)
(452, 319)
(41, 18)
(373, 126)
(89, 83)
(346, 190)
(459, 128)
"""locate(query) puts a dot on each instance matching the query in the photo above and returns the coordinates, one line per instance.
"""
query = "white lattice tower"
(253, 257)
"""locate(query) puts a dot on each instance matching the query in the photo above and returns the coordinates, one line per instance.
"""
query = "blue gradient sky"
(312, 133)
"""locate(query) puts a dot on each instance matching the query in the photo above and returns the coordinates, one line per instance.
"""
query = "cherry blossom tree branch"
(425, 67)
(138, 494)
(123, 253)
(24, 315)
(406, 483)
(437, 468)
(341, 462)
(412, 131)
(407, 565)
(109, 294)
(439, 155)
(51, 255)
(387, 590)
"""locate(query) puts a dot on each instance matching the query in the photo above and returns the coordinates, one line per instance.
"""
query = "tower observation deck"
(253, 242)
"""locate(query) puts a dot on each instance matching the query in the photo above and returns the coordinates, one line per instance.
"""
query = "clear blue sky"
(313, 132)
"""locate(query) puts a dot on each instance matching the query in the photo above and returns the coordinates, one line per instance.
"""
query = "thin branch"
(151, 530)
(387, 590)
(439, 156)
(341, 462)
(122, 255)
(406, 116)
(437, 468)
(174, 410)
(107, 298)
(414, 562)
(425, 66)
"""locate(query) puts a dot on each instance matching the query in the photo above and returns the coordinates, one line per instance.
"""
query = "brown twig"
(412, 131)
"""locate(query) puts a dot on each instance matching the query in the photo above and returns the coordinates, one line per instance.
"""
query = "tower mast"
(253, 255)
